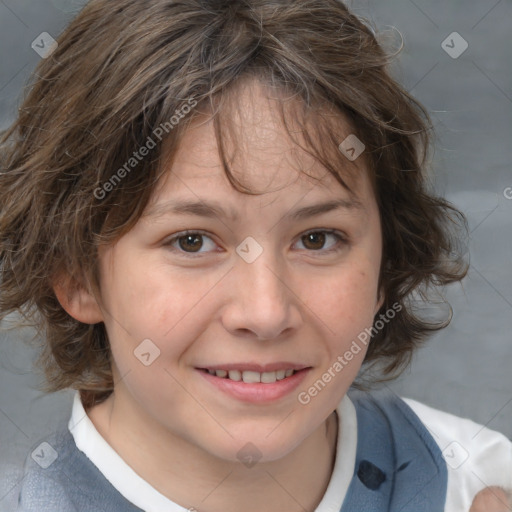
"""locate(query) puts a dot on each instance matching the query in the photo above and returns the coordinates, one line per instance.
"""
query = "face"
(242, 285)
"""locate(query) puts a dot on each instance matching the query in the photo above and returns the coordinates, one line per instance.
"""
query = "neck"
(187, 475)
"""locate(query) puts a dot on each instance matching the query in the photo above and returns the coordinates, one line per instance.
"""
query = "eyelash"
(341, 239)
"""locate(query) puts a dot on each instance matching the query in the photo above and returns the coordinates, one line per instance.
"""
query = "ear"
(77, 301)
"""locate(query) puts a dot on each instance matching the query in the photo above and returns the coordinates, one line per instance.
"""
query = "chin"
(250, 449)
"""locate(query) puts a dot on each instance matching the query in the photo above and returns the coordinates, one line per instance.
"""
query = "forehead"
(260, 154)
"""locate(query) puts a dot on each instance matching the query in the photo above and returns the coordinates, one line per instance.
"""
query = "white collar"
(139, 492)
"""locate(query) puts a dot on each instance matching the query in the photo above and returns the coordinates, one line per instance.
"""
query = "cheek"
(344, 307)
(344, 300)
(155, 303)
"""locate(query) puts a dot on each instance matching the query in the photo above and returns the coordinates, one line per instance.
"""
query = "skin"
(491, 499)
(296, 302)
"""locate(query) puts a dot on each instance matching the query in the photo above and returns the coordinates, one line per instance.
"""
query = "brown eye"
(314, 240)
(193, 242)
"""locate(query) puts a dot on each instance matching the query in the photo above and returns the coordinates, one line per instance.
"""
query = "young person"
(216, 214)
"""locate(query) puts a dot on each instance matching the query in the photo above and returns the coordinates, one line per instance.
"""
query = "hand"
(492, 499)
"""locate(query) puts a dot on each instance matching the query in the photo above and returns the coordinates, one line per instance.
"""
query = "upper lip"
(253, 367)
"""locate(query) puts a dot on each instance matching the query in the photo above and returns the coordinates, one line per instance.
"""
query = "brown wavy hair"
(123, 68)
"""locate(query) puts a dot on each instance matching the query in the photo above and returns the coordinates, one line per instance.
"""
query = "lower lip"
(257, 392)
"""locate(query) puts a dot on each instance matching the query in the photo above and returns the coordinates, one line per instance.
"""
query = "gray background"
(465, 369)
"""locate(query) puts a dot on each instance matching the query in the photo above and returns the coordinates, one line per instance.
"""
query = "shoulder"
(476, 457)
(46, 484)
(393, 439)
(58, 477)
(471, 456)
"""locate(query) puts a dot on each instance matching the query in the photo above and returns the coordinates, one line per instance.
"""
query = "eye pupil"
(195, 238)
(318, 237)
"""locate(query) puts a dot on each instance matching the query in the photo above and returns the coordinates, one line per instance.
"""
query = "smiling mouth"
(252, 377)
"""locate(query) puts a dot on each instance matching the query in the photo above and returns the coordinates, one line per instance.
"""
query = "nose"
(262, 300)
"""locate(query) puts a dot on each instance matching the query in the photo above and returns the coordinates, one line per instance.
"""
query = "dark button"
(370, 475)
(403, 466)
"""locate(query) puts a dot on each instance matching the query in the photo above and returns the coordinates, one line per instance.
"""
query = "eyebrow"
(215, 210)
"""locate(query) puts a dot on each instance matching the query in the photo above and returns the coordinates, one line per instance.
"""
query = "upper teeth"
(252, 377)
